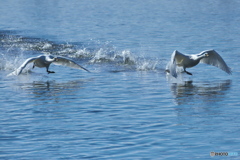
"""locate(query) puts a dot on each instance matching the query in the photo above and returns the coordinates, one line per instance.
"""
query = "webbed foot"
(50, 72)
(188, 73)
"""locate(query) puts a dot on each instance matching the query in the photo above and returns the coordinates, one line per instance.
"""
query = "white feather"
(45, 61)
(216, 60)
(69, 63)
(210, 57)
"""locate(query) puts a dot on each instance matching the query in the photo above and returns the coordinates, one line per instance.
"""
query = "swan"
(45, 61)
(210, 57)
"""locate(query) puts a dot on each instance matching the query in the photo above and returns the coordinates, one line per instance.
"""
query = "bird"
(210, 57)
(45, 61)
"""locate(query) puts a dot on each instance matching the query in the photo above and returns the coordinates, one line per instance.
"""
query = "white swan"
(45, 61)
(210, 57)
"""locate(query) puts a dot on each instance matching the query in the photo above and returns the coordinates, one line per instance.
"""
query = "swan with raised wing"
(210, 57)
(45, 61)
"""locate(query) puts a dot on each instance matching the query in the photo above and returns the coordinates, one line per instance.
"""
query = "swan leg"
(50, 71)
(187, 72)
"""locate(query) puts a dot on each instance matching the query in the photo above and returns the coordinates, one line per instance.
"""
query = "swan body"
(45, 61)
(210, 57)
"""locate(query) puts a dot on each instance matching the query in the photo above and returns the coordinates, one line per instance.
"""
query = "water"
(126, 108)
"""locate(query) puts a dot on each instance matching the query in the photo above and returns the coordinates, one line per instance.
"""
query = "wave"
(15, 49)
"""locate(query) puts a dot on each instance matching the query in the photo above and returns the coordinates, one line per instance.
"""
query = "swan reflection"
(52, 91)
(207, 92)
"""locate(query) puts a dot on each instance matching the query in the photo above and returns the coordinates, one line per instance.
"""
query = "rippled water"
(126, 108)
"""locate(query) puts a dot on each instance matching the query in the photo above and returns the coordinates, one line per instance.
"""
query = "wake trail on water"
(15, 49)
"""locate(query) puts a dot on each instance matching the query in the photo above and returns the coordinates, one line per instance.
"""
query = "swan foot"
(188, 73)
(50, 72)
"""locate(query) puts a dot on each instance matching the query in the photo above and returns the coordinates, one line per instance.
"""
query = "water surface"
(126, 108)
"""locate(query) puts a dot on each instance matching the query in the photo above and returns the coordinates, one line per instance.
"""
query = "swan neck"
(197, 57)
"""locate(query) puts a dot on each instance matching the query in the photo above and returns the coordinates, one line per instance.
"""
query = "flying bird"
(210, 57)
(45, 61)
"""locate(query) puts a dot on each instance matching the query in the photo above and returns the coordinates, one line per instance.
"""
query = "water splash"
(182, 77)
(11, 62)
(15, 49)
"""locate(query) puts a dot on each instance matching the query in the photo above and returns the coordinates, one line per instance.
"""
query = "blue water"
(126, 108)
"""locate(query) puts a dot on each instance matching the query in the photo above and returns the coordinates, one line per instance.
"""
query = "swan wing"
(179, 57)
(216, 60)
(172, 65)
(69, 63)
(20, 69)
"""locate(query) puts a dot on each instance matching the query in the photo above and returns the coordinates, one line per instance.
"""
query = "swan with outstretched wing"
(45, 61)
(210, 57)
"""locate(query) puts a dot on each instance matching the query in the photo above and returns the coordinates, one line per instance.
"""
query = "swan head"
(51, 58)
(199, 56)
(203, 54)
(55, 59)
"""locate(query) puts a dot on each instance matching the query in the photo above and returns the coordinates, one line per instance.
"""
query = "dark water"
(126, 108)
